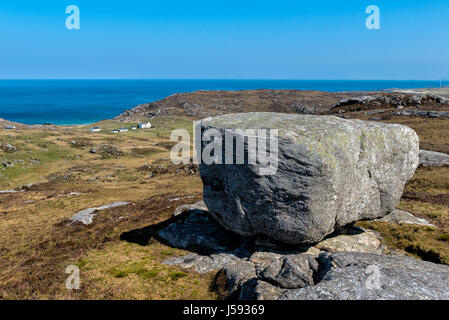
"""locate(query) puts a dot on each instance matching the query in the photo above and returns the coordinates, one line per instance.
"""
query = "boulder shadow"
(143, 236)
(193, 230)
(197, 231)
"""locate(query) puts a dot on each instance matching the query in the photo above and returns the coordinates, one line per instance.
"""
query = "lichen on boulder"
(330, 172)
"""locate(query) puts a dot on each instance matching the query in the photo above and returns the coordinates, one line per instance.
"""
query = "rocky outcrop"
(433, 159)
(350, 264)
(330, 172)
(336, 276)
(397, 101)
(423, 113)
(213, 246)
(362, 276)
(205, 103)
(354, 100)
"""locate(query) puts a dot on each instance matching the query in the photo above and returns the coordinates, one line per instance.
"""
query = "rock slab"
(401, 216)
(336, 276)
(352, 276)
(433, 159)
(86, 216)
(196, 230)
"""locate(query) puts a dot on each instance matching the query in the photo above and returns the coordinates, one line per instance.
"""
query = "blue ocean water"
(87, 101)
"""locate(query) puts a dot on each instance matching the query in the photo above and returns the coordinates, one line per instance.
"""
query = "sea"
(70, 102)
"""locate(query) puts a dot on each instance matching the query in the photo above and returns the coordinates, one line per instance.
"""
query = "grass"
(425, 209)
(418, 241)
(128, 272)
(425, 196)
(36, 243)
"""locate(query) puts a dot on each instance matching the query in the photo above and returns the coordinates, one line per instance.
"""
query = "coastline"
(83, 102)
(418, 91)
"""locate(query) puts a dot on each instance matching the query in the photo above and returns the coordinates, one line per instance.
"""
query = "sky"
(225, 39)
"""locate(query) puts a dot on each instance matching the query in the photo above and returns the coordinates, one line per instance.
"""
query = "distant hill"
(201, 104)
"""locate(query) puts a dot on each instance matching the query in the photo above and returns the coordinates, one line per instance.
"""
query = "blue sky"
(226, 39)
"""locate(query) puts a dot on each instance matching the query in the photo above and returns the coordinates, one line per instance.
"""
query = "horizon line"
(222, 79)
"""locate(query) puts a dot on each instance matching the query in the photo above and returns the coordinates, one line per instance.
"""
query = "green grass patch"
(177, 275)
(136, 268)
(423, 242)
(146, 151)
(433, 211)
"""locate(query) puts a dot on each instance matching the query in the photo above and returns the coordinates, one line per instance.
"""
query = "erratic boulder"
(330, 172)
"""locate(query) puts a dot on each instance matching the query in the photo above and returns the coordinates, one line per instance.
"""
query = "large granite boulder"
(329, 172)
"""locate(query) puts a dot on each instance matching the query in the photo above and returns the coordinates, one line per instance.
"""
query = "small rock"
(8, 191)
(236, 273)
(34, 161)
(400, 216)
(185, 207)
(8, 148)
(86, 216)
(255, 289)
(433, 159)
(291, 272)
(355, 240)
(8, 164)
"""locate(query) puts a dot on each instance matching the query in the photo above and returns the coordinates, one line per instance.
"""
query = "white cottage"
(145, 125)
(95, 129)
